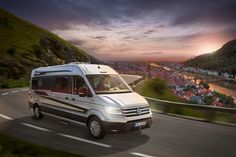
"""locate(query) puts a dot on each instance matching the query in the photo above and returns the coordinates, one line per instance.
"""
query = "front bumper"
(111, 127)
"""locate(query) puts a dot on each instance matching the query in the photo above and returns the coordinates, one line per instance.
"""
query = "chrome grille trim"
(135, 111)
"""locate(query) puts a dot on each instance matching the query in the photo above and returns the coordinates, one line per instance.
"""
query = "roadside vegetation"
(157, 88)
(10, 83)
(11, 147)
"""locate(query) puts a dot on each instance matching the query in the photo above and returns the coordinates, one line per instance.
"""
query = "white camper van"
(93, 94)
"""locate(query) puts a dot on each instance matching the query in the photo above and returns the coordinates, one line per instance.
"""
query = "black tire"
(37, 112)
(93, 132)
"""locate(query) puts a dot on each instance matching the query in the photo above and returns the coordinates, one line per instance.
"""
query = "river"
(223, 90)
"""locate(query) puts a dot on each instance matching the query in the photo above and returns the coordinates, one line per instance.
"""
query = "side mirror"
(84, 91)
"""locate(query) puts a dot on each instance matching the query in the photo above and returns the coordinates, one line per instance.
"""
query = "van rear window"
(61, 84)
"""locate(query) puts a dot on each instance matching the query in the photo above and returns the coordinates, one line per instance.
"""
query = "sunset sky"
(134, 29)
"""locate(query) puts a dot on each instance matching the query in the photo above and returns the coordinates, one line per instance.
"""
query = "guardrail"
(201, 112)
(132, 80)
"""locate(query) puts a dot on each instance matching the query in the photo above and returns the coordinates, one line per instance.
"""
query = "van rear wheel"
(96, 128)
(37, 112)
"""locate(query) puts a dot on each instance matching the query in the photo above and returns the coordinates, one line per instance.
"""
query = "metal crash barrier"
(193, 111)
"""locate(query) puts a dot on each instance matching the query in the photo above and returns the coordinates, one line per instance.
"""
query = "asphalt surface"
(169, 136)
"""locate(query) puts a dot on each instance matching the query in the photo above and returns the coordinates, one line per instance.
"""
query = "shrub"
(159, 85)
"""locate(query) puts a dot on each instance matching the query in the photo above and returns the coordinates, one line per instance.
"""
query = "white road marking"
(36, 127)
(5, 117)
(22, 90)
(4, 93)
(84, 140)
(140, 154)
(14, 91)
(65, 123)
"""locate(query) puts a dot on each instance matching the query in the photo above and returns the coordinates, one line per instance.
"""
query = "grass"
(25, 46)
(12, 147)
(10, 83)
(157, 88)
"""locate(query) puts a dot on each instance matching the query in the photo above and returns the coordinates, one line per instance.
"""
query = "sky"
(134, 29)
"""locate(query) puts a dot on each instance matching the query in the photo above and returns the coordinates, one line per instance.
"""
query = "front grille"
(135, 111)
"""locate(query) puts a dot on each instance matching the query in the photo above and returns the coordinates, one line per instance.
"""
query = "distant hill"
(223, 60)
(24, 46)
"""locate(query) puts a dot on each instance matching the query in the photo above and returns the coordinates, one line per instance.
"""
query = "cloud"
(59, 14)
(207, 12)
(77, 42)
(130, 38)
(143, 25)
(149, 32)
(160, 26)
(151, 53)
(99, 37)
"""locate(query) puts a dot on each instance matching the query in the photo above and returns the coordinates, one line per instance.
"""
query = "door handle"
(73, 99)
(66, 98)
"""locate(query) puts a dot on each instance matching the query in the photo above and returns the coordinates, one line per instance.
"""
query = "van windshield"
(108, 84)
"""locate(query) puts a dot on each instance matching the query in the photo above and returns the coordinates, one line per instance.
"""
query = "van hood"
(124, 99)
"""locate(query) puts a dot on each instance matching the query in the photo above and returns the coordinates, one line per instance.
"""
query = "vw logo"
(138, 111)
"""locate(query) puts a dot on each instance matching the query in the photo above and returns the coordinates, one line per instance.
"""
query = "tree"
(205, 85)
(159, 85)
(208, 100)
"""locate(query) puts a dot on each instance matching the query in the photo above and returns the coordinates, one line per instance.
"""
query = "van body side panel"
(60, 108)
(64, 113)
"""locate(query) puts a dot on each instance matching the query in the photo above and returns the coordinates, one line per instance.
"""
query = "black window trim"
(73, 84)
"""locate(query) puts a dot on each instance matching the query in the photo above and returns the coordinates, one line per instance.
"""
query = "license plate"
(138, 124)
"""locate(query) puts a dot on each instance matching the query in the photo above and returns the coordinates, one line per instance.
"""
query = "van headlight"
(113, 110)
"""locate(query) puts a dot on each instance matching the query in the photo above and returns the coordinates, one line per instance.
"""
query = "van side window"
(62, 84)
(42, 82)
(79, 85)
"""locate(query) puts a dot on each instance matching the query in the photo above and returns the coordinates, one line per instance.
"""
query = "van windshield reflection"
(108, 84)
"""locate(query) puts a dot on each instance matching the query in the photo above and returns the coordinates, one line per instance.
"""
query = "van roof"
(74, 68)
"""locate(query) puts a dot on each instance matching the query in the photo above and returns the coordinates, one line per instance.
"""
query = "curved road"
(169, 136)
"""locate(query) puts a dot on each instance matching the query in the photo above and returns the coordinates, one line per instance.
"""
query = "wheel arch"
(94, 113)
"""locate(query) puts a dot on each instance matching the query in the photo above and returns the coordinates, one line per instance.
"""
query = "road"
(169, 136)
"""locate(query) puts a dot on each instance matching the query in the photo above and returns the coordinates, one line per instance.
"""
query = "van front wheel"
(96, 128)
(37, 112)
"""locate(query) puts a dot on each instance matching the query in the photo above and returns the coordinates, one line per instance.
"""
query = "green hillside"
(223, 60)
(24, 46)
